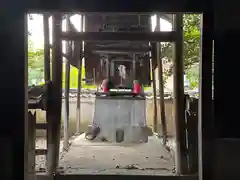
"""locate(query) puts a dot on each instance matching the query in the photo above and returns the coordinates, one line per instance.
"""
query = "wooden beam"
(67, 86)
(79, 57)
(134, 66)
(47, 74)
(55, 107)
(41, 126)
(116, 13)
(120, 36)
(206, 126)
(14, 130)
(178, 97)
(161, 85)
(127, 49)
(153, 55)
(41, 152)
(167, 17)
(116, 177)
(118, 52)
(31, 144)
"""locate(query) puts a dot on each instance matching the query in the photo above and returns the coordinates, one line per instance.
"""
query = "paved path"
(97, 157)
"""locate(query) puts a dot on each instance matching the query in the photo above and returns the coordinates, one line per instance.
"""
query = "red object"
(136, 87)
(105, 86)
(105, 89)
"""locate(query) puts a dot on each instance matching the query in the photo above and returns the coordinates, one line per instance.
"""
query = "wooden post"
(108, 73)
(192, 133)
(206, 126)
(22, 78)
(67, 78)
(153, 56)
(134, 66)
(94, 76)
(31, 145)
(47, 74)
(78, 110)
(14, 130)
(47, 68)
(161, 86)
(178, 99)
(54, 125)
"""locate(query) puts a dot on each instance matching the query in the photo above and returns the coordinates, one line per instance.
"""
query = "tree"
(35, 58)
(35, 63)
(191, 27)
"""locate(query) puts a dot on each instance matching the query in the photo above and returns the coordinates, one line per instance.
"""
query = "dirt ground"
(95, 157)
(41, 143)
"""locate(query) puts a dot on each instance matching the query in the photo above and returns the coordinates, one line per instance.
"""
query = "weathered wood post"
(54, 124)
(155, 114)
(78, 110)
(206, 124)
(31, 144)
(178, 96)
(67, 84)
(20, 77)
(161, 86)
(47, 68)
(152, 55)
(134, 66)
(94, 76)
(108, 72)
(192, 133)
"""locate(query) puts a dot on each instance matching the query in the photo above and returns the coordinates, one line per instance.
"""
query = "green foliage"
(35, 64)
(35, 58)
(191, 52)
(193, 77)
(191, 39)
(36, 69)
(74, 78)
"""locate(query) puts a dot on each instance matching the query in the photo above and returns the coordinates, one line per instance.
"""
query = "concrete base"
(130, 135)
(121, 115)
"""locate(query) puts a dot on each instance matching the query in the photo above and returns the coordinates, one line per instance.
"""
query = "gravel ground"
(41, 143)
(97, 157)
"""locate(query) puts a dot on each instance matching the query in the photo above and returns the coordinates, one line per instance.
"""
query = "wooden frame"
(17, 53)
(116, 177)
(119, 36)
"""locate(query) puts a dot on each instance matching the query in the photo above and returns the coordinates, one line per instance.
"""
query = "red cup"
(136, 87)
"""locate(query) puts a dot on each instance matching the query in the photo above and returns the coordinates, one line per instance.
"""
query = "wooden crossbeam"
(41, 126)
(120, 36)
(40, 152)
(116, 177)
(118, 52)
(128, 49)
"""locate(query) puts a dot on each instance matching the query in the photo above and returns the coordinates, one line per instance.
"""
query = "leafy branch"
(191, 44)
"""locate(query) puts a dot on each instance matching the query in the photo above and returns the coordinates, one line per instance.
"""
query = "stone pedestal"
(121, 115)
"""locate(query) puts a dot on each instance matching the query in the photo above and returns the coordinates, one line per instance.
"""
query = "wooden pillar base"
(78, 120)
(31, 145)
